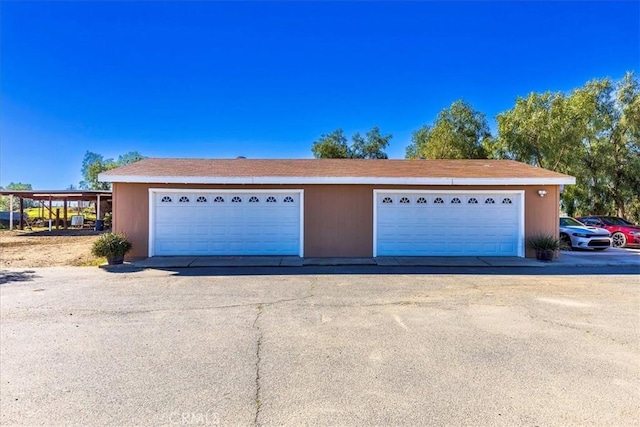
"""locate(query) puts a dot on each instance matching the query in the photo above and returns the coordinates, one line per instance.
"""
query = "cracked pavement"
(258, 403)
(83, 346)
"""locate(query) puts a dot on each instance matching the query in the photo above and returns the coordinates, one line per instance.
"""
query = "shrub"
(544, 242)
(111, 245)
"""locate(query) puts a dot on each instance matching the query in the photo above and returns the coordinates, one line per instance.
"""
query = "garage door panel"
(200, 246)
(200, 232)
(167, 231)
(457, 223)
(226, 223)
(506, 247)
(216, 247)
(489, 247)
(179, 246)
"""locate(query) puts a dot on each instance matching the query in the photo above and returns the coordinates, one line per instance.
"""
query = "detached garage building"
(333, 207)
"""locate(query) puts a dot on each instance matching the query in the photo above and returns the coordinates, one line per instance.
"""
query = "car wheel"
(618, 240)
(566, 242)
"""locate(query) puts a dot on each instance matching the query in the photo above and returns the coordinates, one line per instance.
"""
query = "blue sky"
(264, 80)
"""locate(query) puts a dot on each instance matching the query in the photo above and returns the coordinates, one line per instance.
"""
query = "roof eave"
(295, 180)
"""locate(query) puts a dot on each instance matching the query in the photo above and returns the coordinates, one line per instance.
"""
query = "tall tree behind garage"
(593, 133)
(94, 164)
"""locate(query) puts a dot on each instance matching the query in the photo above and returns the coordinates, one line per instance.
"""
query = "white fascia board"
(514, 181)
(270, 180)
(287, 180)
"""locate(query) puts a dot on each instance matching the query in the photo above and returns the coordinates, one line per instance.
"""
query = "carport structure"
(50, 196)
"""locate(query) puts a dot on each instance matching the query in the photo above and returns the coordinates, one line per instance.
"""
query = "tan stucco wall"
(338, 219)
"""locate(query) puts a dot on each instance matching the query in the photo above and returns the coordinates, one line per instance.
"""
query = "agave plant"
(545, 242)
(545, 245)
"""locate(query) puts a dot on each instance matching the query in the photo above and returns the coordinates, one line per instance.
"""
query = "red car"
(623, 233)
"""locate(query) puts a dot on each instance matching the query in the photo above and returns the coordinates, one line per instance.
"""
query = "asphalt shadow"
(17, 276)
(121, 268)
(549, 270)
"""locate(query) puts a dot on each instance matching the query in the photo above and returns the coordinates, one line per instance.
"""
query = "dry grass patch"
(20, 249)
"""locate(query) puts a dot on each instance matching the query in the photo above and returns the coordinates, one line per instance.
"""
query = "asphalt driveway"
(83, 346)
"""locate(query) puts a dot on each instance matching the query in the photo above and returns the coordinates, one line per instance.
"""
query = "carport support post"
(98, 208)
(50, 212)
(10, 211)
(21, 213)
(57, 218)
(64, 221)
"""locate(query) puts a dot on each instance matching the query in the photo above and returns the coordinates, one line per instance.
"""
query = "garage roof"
(334, 171)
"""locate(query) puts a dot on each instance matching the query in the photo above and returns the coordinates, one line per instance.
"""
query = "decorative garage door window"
(442, 223)
(249, 199)
(408, 201)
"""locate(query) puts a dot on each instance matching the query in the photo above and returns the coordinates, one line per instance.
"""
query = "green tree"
(331, 146)
(608, 168)
(371, 146)
(93, 164)
(5, 201)
(459, 132)
(334, 145)
(130, 157)
(592, 133)
(542, 130)
(625, 142)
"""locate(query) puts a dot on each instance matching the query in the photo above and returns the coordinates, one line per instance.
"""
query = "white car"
(575, 234)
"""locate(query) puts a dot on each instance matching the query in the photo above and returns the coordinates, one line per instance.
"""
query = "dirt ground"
(19, 249)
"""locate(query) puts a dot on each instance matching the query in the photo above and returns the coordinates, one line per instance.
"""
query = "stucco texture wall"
(338, 219)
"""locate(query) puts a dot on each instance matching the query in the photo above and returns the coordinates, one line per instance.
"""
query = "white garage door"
(225, 223)
(448, 224)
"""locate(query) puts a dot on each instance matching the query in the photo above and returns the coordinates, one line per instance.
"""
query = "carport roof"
(334, 171)
(71, 195)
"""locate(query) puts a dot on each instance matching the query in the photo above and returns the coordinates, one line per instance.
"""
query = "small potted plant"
(113, 246)
(545, 245)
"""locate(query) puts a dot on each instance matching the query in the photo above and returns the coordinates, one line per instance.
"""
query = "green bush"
(545, 242)
(111, 245)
